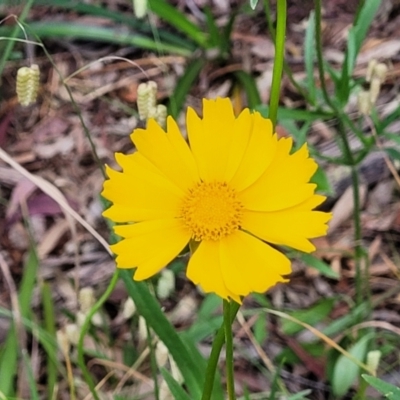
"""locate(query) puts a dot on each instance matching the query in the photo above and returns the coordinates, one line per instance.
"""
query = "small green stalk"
(281, 12)
(230, 376)
(218, 342)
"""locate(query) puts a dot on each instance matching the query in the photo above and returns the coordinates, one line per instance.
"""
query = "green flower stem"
(286, 67)
(281, 11)
(218, 342)
(230, 376)
(361, 288)
(85, 327)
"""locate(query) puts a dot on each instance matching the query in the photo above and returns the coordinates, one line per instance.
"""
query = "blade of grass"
(175, 388)
(178, 20)
(96, 33)
(50, 327)
(309, 56)
(9, 357)
(127, 19)
(31, 378)
(191, 369)
(215, 36)
(297, 115)
(184, 85)
(46, 340)
(356, 36)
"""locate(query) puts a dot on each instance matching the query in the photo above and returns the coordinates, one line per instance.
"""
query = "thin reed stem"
(281, 12)
(230, 375)
(218, 342)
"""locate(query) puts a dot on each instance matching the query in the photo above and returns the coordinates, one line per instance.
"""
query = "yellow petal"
(149, 246)
(211, 137)
(258, 154)
(204, 269)
(284, 183)
(241, 134)
(182, 149)
(290, 227)
(145, 194)
(250, 265)
(169, 158)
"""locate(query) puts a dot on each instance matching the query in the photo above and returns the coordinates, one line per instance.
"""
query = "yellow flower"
(235, 188)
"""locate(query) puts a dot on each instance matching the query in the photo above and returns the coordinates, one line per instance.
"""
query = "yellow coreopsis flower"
(232, 190)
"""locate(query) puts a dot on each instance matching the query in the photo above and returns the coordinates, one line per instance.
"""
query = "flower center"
(211, 211)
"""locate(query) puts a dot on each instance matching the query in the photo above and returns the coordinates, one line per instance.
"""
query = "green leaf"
(206, 323)
(297, 115)
(311, 316)
(300, 395)
(320, 178)
(355, 39)
(393, 153)
(319, 265)
(358, 32)
(345, 371)
(260, 328)
(345, 322)
(192, 367)
(309, 56)
(175, 388)
(215, 35)
(11, 352)
(388, 390)
(299, 134)
(178, 20)
(99, 34)
(184, 86)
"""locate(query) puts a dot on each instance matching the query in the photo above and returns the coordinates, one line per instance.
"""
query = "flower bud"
(27, 84)
(373, 358)
(140, 8)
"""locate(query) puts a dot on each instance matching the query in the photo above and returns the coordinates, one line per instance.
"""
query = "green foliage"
(190, 363)
(176, 389)
(309, 58)
(311, 316)
(178, 20)
(345, 371)
(11, 349)
(388, 390)
(319, 265)
(183, 86)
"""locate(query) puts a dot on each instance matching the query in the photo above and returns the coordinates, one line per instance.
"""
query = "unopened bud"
(129, 308)
(373, 359)
(380, 71)
(146, 99)
(140, 8)
(374, 89)
(142, 330)
(364, 102)
(86, 299)
(72, 332)
(63, 341)
(165, 284)
(27, 84)
(161, 115)
(161, 354)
